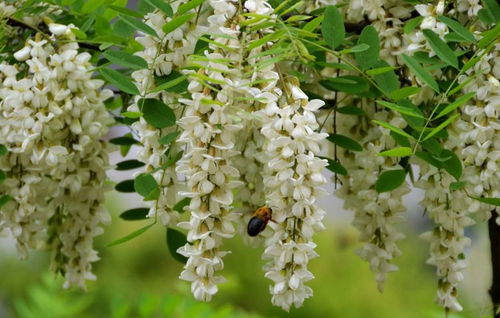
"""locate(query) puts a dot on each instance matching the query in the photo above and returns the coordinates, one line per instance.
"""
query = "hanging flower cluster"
(52, 119)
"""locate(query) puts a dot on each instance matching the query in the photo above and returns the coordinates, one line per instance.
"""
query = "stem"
(494, 234)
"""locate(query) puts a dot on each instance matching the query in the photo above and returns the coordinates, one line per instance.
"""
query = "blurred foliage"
(140, 279)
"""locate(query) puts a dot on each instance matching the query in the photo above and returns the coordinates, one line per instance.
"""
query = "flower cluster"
(165, 55)
(292, 180)
(52, 119)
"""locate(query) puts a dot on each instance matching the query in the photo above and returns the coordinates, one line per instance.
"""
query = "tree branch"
(494, 234)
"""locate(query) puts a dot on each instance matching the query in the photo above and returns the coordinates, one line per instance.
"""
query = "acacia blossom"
(165, 55)
(52, 121)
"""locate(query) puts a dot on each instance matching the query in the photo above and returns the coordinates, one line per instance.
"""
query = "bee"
(259, 220)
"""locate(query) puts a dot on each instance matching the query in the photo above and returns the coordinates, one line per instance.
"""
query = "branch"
(494, 233)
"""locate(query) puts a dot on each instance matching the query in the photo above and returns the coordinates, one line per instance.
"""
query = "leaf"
(175, 240)
(381, 70)
(441, 48)
(397, 152)
(390, 180)
(427, 157)
(489, 36)
(419, 71)
(4, 199)
(138, 25)
(177, 22)
(492, 201)
(135, 214)
(351, 110)
(453, 165)
(344, 142)
(128, 165)
(3, 150)
(167, 139)
(144, 184)
(132, 115)
(119, 80)
(172, 83)
(332, 27)
(388, 81)
(131, 235)
(335, 166)
(485, 16)
(156, 113)
(162, 6)
(457, 103)
(457, 185)
(441, 126)
(411, 24)
(493, 8)
(458, 28)
(348, 83)
(395, 129)
(179, 206)
(173, 159)
(126, 11)
(125, 59)
(368, 58)
(183, 8)
(404, 92)
(400, 140)
(400, 109)
(123, 141)
(126, 186)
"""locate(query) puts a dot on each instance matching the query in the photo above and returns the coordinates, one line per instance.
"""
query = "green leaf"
(162, 6)
(453, 165)
(381, 70)
(156, 113)
(138, 25)
(179, 206)
(175, 240)
(177, 22)
(395, 129)
(135, 214)
(458, 28)
(457, 103)
(132, 115)
(167, 139)
(441, 126)
(351, 110)
(335, 166)
(441, 49)
(420, 72)
(131, 235)
(404, 92)
(345, 142)
(457, 185)
(313, 24)
(390, 180)
(129, 164)
(400, 109)
(485, 16)
(172, 159)
(489, 37)
(400, 140)
(125, 59)
(123, 141)
(427, 157)
(3, 150)
(411, 24)
(332, 27)
(348, 83)
(388, 81)
(126, 11)
(174, 82)
(126, 186)
(493, 8)
(368, 58)
(183, 8)
(144, 184)
(397, 152)
(4, 199)
(119, 80)
(492, 201)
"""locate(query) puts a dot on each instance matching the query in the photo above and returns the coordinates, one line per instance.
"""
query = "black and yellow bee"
(259, 220)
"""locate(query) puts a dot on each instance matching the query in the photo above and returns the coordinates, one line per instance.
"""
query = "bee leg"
(273, 221)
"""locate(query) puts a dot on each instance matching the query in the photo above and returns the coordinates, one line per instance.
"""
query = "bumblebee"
(259, 220)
